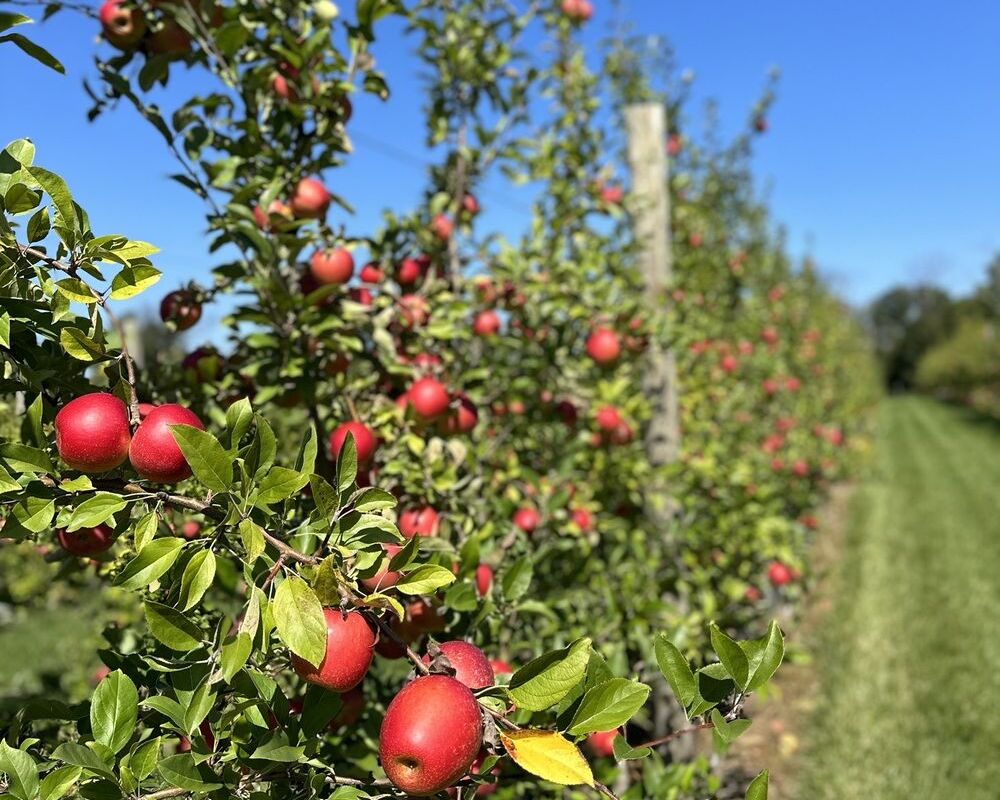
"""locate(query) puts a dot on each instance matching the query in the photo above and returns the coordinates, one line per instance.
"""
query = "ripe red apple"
(429, 398)
(372, 273)
(431, 734)
(567, 412)
(364, 440)
(276, 218)
(484, 579)
(409, 271)
(442, 227)
(470, 205)
(583, 519)
(350, 647)
(414, 310)
(608, 418)
(310, 200)
(123, 27)
(612, 195)
(603, 346)
(486, 323)
(154, 453)
(674, 144)
(170, 40)
(350, 712)
(770, 335)
(461, 419)
(86, 541)
(527, 519)
(471, 665)
(92, 432)
(800, 468)
(421, 521)
(384, 578)
(332, 266)
(424, 618)
(501, 667)
(780, 574)
(180, 309)
(752, 594)
(282, 84)
(601, 743)
(793, 384)
(190, 529)
(729, 363)
(578, 10)
(770, 386)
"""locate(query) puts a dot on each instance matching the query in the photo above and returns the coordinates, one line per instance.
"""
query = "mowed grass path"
(909, 657)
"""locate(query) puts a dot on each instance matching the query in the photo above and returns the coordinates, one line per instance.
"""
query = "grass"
(910, 656)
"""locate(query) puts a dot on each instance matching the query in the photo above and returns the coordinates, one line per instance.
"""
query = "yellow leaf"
(549, 755)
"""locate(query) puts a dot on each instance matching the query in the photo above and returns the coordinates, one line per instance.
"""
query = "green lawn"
(910, 656)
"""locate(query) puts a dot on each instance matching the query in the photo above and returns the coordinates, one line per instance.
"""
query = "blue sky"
(882, 161)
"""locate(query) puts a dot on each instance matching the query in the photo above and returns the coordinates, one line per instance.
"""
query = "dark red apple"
(86, 541)
(180, 309)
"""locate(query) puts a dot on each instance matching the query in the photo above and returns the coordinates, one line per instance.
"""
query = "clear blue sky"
(882, 161)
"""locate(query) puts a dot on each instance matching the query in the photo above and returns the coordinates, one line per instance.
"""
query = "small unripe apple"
(92, 432)
(431, 734)
(603, 346)
(422, 521)
(608, 418)
(180, 309)
(154, 452)
(486, 323)
(364, 440)
(332, 266)
(372, 273)
(471, 665)
(123, 26)
(527, 519)
(310, 200)
(484, 579)
(350, 647)
(86, 541)
(780, 574)
(601, 743)
(429, 398)
(442, 227)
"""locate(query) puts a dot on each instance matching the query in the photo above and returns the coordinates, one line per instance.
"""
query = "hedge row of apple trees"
(397, 537)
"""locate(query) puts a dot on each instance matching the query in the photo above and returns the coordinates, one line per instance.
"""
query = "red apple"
(527, 519)
(180, 309)
(93, 433)
(350, 712)
(501, 667)
(603, 346)
(486, 323)
(608, 418)
(170, 40)
(311, 200)
(123, 24)
(276, 218)
(372, 273)
(154, 452)
(364, 440)
(462, 418)
(86, 541)
(431, 734)
(780, 574)
(484, 579)
(601, 744)
(190, 529)
(471, 665)
(470, 205)
(384, 578)
(429, 398)
(414, 310)
(350, 647)
(421, 521)
(332, 266)
(582, 518)
(442, 227)
(409, 271)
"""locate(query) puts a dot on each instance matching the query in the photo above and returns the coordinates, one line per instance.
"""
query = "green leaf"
(79, 756)
(153, 560)
(727, 732)
(347, 464)
(171, 627)
(114, 710)
(58, 782)
(168, 707)
(40, 54)
(8, 20)
(34, 513)
(238, 418)
(144, 757)
(374, 500)
(542, 683)
(516, 579)
(198, 576)
(731, 655)
(252, 536)
(758, 787)
(676, 670)
(39, 225)
(25, 459)
(181, 771)
(132, 250)
(132, 281)
(299, 618)
(425, 579)
(95, 511)
(145, 530)
(77, 291)
(208, 459)
(21, 771)
(277, 748)
(280, 484)
(608, 706)
(198, 707)
(235, 653)
(769, 659)
(80, 346)
(57, 189)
